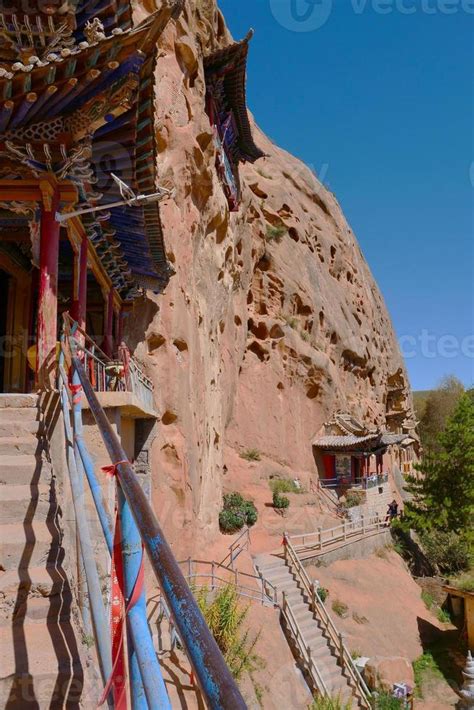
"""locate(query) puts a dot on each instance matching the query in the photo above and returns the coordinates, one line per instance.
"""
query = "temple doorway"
(4, 330)
(15, 289)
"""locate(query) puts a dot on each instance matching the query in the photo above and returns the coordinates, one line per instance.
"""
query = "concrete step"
(44, 610)
(281, 578)
(18, 503)
(323, 653)
(18, 427)
(18, 401)
(298, 604)
(41, 581)
(23, 469)
(302, 612)
(313, 634)
(337, 685)
(15, 445)
(28, 544)
(287, 586)
(294, 596)
(274, 576)
(279, 564)
(45, 665)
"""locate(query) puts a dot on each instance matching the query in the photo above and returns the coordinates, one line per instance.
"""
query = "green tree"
(436, 409)
(443, 495)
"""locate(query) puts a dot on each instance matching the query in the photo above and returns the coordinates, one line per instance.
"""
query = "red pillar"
(121, 319)
(48, 289)
(80, 296)
(109, 325)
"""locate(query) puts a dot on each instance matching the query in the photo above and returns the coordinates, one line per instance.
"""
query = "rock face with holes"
(273, 319)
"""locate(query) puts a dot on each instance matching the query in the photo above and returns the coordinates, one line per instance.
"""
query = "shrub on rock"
(280, 502)
(236, 513)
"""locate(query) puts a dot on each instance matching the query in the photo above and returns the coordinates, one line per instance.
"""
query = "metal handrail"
(328, 627)
(238, 546)
(327, 536)
(266, 597)
(216, 682)
(303, 647)
(216, 583)
(98, 364)
(365, 482)
(147, 687)
(84, 535)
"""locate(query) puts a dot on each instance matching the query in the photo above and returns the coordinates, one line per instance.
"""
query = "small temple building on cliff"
(349, 453)
(80, 228)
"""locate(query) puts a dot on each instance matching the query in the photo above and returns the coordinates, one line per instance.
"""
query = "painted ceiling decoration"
(77, 102)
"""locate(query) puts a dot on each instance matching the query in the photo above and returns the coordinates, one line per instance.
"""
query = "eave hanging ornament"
(128, 198)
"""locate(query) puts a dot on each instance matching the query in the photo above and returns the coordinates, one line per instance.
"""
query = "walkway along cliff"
(174, 289)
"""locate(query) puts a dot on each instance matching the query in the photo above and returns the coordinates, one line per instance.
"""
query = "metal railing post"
(99, 618)
(81, 577)
(82, 455)
(341, 650)
(147, 688)
(217, 684)
(320, 538)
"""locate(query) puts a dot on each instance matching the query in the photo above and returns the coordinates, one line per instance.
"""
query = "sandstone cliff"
(261, 334)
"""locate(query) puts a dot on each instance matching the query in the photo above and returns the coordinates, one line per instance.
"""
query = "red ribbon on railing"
(117, 679)
(111, 469)
(76, 393)
(119, 611)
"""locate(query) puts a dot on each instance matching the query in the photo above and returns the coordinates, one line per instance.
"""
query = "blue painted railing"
(139, 528)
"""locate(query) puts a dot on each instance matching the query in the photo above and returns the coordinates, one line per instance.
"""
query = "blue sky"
(377, 97)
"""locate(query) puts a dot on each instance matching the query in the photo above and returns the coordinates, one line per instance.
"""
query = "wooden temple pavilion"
(225, 72)
(77, 136)
(76, 105)
(349, 453)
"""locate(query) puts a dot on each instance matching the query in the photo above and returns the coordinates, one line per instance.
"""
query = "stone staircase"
(277, 572)
(41, 657)
(378, 502)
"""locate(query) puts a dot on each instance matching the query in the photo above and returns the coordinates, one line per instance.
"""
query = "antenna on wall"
(128, 198)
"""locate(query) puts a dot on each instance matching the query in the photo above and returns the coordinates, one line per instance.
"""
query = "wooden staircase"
(41, 653)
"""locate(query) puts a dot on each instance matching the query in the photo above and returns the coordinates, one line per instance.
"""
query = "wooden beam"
(31, 191)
